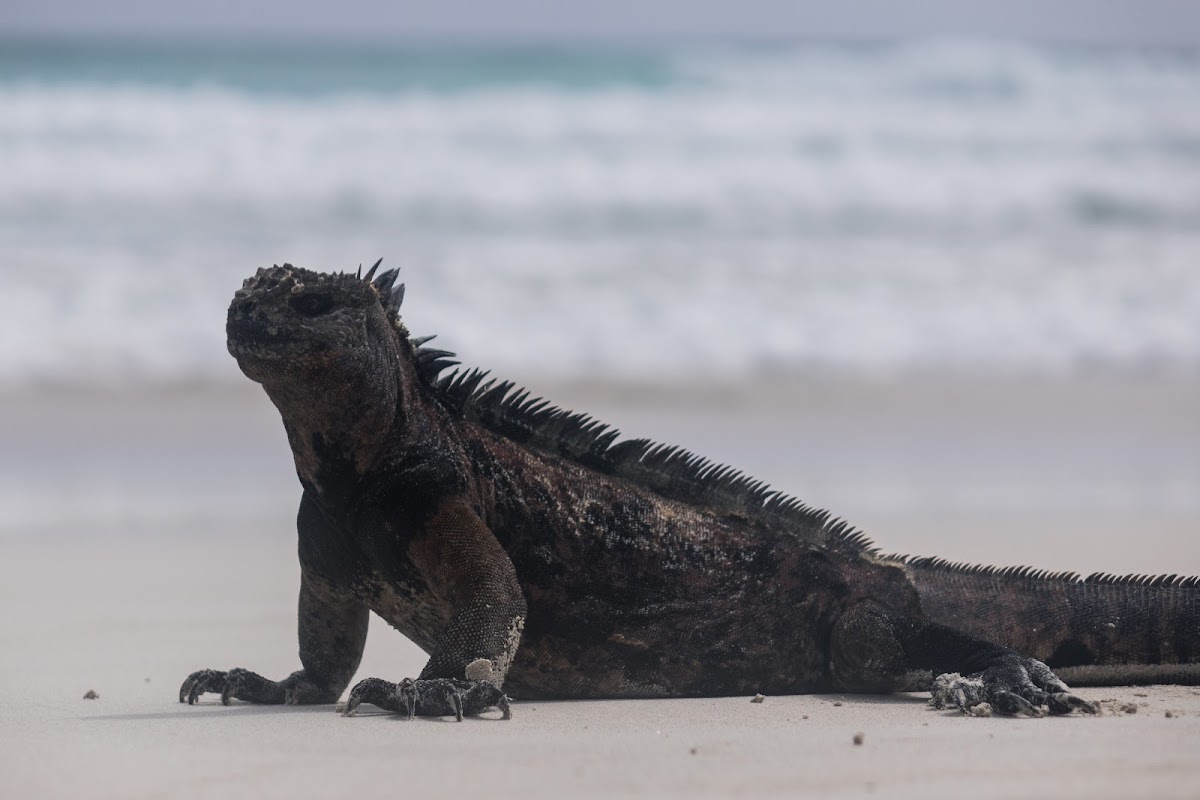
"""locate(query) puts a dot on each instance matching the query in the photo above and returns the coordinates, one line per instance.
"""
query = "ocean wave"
(725, 212)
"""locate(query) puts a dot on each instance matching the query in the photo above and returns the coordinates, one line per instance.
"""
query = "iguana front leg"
(462, 563)
(332, 627)
(873, 648)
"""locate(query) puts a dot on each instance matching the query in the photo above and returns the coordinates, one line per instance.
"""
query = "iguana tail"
(1102, 630)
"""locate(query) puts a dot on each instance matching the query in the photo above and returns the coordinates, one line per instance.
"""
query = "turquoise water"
(327, 68)
(650, 213)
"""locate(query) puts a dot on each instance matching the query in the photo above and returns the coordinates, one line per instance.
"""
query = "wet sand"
(145, 536)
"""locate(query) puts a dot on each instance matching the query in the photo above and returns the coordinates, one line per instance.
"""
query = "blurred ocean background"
(652, 213)
(949, 289)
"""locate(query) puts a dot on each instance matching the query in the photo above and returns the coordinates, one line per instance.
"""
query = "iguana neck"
(343, 419)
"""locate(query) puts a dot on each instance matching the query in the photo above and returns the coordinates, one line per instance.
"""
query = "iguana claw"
(236, 684)
(199, 682)
(433, 697)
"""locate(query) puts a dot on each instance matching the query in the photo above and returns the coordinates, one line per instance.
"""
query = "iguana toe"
(1065, 703)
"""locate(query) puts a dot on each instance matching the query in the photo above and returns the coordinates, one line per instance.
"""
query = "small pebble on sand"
(91, 695)
(858, 738)
(758, 698)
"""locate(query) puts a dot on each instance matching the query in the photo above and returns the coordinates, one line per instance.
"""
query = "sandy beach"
(144, 536)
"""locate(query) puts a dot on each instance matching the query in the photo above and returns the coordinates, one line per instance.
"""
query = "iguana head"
(327, 350)
(289, 323)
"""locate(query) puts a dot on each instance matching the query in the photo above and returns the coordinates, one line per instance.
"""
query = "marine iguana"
(528, 551)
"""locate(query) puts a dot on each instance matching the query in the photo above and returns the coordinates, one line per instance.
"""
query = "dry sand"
(143, 538)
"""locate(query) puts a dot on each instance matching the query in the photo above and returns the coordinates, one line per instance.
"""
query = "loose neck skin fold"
(349, 412)
(1101, 630)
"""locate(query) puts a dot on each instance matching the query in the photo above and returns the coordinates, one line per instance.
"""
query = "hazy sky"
(1133, 21)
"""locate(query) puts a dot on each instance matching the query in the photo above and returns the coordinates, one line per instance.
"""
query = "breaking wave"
(720, 213)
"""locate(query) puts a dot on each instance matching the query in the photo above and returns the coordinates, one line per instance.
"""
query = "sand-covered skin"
(125, 598)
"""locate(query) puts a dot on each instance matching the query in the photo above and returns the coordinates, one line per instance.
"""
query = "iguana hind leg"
(1016, 686)
(874, 650)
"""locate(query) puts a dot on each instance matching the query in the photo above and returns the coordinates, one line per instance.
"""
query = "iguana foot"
(236, 684)
(1018, 687)
(434, 697)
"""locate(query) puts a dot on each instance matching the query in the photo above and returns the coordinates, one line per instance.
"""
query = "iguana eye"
(311, 305)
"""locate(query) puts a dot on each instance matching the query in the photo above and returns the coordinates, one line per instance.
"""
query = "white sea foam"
(936, 207)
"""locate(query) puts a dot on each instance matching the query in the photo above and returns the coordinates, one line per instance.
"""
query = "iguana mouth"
(270, 348)
(259, 340)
